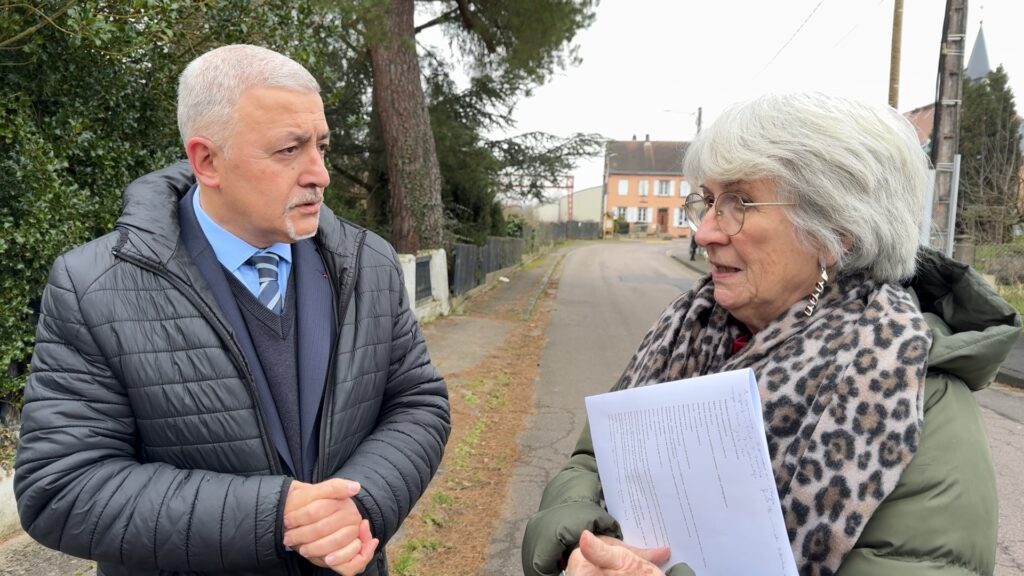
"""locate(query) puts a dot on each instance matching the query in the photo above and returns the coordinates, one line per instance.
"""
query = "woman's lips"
(723, 269)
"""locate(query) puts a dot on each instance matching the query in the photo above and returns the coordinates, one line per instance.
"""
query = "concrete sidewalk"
(1011, 372)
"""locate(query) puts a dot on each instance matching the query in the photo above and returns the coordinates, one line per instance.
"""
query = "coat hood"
(973, 328)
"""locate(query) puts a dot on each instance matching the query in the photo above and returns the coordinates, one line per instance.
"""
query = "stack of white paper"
(685, 464)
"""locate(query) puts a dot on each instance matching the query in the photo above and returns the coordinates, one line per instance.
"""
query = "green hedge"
(87, 104)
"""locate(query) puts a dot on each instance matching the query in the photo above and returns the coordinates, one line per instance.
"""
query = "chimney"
(634, 137)
(647, 137)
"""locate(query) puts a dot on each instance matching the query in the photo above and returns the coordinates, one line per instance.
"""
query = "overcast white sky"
(649, 64)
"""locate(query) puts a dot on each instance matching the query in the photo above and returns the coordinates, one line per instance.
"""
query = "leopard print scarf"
(842, 395)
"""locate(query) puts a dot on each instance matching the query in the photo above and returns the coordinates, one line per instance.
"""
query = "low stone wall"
(9, 521)
(439, 303)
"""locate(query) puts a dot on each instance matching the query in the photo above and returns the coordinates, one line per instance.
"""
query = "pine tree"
(990, 152)
(508, 48)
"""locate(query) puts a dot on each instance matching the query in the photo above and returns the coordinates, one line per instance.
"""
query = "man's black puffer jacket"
(142, 445)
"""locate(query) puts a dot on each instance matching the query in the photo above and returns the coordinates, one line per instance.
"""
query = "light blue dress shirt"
(234, 253)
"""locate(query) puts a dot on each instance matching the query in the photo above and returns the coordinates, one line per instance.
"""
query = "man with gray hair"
(232, 381)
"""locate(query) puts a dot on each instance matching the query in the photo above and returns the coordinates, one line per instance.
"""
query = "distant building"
(645, 187)
(977, 66)
(586, 207)
(923, 117)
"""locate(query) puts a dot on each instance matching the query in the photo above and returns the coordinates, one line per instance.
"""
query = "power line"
(855, 26)
(791, 37)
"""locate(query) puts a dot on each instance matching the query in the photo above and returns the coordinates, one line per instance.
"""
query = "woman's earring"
(818, 289)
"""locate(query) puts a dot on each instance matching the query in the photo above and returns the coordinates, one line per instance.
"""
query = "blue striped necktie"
(270, 290)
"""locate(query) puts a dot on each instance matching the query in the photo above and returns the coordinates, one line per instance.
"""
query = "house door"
(662, 220)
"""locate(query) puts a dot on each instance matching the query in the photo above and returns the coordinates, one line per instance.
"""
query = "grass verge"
(449, 530)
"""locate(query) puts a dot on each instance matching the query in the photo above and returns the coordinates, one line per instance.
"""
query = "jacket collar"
(149, 218)
(150, 228)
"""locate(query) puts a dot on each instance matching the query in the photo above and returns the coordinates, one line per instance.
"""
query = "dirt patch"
(21, 556)
(448, 532)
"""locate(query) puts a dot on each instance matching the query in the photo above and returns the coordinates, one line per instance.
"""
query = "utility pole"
(604, 190)
(946, 129)
(569, 184)
(894, 55)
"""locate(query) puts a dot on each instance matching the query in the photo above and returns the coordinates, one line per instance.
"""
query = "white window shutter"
(630, 214)
(623, 187)
(684, 189)
(671, 187)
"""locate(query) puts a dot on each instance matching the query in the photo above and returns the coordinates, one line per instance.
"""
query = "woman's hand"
(607, 556)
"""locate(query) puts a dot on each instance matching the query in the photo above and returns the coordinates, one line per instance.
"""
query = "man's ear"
(204, 157)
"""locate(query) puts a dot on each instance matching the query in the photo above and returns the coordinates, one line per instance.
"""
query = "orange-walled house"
(644, 185)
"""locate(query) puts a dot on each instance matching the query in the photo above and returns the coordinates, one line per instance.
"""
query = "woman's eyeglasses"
(729, 210)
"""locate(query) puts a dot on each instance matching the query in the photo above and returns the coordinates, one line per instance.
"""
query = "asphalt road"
(1002, 407)
(609, 295)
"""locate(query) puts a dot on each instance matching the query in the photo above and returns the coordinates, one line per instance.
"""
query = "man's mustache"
(317, 196)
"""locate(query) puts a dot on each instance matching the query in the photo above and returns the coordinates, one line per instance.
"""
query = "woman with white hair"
(866, 348)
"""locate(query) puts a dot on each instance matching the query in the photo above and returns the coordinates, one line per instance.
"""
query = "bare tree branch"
(344, 173)
(46, 20)
(446, 17)
(474, 25)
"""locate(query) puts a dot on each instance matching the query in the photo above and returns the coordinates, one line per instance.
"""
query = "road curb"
(540, 289)
(1010, 379)
(699, 266)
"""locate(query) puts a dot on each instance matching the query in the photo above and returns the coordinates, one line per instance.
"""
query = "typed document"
(685, 464)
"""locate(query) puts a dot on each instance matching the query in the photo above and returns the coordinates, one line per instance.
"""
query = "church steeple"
(977, 67)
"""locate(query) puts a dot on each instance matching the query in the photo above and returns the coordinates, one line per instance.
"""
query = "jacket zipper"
(237, 358)
(339, 320)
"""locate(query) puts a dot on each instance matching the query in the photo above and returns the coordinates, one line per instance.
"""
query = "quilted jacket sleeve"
(396, 461)
(80, 488)
(571, 503)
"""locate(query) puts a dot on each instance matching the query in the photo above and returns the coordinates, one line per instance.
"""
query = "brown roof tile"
(645, 156)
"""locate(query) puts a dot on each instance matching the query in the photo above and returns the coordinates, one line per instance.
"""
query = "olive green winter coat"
(941, 518)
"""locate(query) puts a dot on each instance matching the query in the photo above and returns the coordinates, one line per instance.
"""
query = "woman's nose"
(708, 230)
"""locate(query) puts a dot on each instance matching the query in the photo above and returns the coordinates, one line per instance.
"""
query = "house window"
(664, 188)
(641, 214)
(620, 213)
(680, 218)
(623, 187)
(643, 188)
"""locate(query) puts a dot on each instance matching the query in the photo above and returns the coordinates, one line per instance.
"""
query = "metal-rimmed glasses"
(730, 210)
